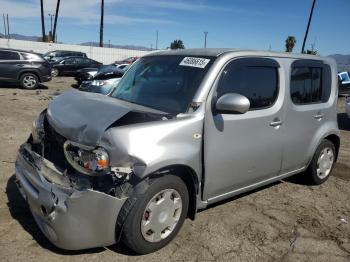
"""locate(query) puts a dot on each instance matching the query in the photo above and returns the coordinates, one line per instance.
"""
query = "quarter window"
(257, 81)
(310, 85)
(8, 55)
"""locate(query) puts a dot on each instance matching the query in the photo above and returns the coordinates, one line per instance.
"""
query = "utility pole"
(308, 26)
(55, 25)
(8, 27)
(157, 40)
(5, 27)
(205, 39)
(101, 22)
(51, 16)
(109, 43)
(42, 20)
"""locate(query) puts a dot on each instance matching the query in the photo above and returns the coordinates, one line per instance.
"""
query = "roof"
(17, 50)
(220, 51)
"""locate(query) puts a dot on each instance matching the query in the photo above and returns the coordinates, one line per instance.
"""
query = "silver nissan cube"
(182, 130)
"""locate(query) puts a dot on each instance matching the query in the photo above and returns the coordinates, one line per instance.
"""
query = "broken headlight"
(87, 161)
(38, 131)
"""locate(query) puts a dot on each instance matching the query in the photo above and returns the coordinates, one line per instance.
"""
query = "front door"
(242, 149)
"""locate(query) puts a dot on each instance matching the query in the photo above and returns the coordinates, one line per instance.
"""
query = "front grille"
(53, 147)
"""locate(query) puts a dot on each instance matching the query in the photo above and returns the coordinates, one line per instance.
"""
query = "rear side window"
(310, 84)
(8, 55)
(257, 79)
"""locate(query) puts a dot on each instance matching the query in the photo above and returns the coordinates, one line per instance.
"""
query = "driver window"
(254, 80)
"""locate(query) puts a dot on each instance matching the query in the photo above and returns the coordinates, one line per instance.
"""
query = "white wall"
(101, 54)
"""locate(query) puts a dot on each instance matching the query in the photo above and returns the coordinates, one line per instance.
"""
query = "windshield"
(165, 83)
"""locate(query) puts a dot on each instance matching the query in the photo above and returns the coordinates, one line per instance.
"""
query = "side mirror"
(232, 103)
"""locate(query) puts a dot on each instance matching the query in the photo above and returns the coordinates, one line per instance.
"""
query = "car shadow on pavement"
(20, 211)
(16, 85)
(343, 122)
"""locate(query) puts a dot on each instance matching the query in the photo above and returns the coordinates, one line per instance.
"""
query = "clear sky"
(253, 24)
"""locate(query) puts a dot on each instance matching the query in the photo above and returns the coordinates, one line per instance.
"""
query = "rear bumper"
(69, 218)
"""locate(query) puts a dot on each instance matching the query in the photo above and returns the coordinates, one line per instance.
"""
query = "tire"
(29, 81)
(153, 203)
(55, 72)
(322, 163)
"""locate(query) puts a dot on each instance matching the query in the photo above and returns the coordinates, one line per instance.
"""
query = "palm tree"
(42, 20)
(177, 44)
(55, 24)
(290, 43)
(101, 24)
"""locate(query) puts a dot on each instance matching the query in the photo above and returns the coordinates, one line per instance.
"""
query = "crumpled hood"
(83, 117)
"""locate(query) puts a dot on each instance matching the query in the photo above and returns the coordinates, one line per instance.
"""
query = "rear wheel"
(29, 81)
(54, 72)
(322, 163)
(157, 215)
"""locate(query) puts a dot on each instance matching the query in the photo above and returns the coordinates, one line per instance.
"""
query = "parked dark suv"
(54, 56)
(70, 65)
(28, 68)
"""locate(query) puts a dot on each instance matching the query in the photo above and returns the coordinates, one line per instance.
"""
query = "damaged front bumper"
(69, 218)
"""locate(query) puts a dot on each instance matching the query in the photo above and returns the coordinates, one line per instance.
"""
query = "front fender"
(148, 147)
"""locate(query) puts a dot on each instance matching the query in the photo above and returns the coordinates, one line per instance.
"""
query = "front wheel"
(157, 215)
(322, 163)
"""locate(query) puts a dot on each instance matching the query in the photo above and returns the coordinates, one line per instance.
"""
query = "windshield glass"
(165, 83)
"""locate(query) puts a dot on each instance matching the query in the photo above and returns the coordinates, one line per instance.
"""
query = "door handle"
(20, 65)
(318, 116)
(276, 122)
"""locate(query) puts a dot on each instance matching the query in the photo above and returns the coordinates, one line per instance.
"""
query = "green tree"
(311, 52)
(177, 44)
(290, 43)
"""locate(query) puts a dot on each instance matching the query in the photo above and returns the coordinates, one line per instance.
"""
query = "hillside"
(343, 62)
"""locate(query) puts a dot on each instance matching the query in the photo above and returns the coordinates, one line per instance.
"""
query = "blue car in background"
(344, 83)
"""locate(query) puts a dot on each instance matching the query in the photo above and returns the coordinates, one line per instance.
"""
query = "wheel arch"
(34, 72)
(335, 139)
(189, 177)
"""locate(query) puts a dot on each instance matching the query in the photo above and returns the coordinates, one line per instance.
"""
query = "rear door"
(83, 62)
(10, 64)
(308, 110)
(69, 66)
(242, 149)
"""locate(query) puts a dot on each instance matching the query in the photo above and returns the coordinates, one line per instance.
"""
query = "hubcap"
(54, 72)
(325, 162)
(29, 81)
(161, 215)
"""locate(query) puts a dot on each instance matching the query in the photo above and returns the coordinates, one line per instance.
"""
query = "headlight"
(89, 162)
(99, 82)
(38, 131)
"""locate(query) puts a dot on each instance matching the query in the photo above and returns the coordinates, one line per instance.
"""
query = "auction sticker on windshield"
(195, 62)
